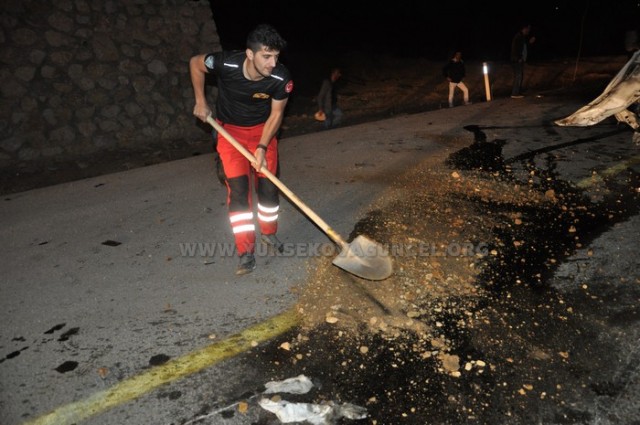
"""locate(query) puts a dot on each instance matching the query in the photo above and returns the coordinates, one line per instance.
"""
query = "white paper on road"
(297, 385)
(315, 414)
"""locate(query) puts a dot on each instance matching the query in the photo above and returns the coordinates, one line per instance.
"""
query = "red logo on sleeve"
(289, 87)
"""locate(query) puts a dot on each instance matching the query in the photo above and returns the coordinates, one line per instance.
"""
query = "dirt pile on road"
(438, 230)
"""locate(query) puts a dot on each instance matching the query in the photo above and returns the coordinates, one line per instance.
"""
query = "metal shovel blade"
(365, 258)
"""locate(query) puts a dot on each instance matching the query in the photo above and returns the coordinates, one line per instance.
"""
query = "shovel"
(362, 257)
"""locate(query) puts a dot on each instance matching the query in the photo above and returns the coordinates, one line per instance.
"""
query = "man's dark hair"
(267, 36)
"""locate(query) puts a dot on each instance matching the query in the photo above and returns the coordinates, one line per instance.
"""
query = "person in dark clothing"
(519, 52)
(454, 71)
(253, 90)
(327, 99)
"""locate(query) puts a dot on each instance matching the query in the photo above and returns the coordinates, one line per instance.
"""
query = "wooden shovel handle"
(312, 215)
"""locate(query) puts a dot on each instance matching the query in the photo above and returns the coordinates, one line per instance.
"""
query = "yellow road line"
(174, 369)
(611, 171)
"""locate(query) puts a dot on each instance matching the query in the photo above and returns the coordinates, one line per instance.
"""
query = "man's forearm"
(270, 129)
(197, 80)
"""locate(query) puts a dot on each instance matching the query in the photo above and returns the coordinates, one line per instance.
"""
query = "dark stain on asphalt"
(159, 359)
(171, 395)
(551, 234)
(480, 155)
(68, 334)
(67, 366)
(64, 337)
(554, 233)
(110, 242)
(55, 328)
(13, 354)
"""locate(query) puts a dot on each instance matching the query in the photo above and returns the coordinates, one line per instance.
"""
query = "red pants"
(240, 176)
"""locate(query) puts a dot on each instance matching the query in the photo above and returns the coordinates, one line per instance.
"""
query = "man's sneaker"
(273, 241)
(516, 96)
(247, 264)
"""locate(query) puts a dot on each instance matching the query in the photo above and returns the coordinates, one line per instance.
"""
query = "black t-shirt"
(240, 101)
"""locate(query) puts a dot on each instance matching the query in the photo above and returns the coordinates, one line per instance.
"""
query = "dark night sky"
(329, 30)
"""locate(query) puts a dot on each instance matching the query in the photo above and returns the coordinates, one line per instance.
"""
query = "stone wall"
(82, 76)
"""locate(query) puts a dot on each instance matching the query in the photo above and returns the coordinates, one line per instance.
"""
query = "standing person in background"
(454, 71)
(328, 100)
(253, 90)
(519, 52)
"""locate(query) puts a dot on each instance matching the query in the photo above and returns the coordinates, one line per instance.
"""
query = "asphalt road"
(99, 289)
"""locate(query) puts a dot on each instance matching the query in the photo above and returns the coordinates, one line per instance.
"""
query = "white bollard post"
(485, 71)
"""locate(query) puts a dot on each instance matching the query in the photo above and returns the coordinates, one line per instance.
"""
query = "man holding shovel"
(253, 90)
